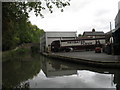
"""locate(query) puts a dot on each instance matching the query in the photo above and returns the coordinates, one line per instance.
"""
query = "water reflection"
(53, 68)
(19, 70)
(80, 76)
(42, 72)
(117, 80)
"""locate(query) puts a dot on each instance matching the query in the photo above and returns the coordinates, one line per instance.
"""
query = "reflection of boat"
(51, 68)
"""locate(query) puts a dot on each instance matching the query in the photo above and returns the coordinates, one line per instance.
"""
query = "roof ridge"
(91, 31)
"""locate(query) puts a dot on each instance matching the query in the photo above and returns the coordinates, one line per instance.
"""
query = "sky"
(80, 16)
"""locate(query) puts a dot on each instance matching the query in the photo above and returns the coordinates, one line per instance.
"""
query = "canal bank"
(88, 58)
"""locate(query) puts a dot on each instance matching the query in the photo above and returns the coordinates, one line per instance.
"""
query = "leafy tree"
(16, 27)
(79, 35)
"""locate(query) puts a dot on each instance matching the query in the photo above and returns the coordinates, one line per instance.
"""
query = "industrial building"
(116, 34)
(113, 36)
(117, 18)
(50, 36)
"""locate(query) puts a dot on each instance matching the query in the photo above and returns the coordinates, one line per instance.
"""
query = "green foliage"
(15, 25)
(21, 51)
(8, 55)
(79, 35)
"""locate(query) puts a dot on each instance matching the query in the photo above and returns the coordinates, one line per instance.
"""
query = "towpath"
(88, 57)
(91, 55)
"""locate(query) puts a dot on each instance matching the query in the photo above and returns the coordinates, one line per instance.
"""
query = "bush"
(15, 54)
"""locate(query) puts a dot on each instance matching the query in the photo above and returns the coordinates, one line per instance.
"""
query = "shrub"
(22, 51)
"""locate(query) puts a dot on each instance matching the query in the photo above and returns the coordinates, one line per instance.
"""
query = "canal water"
(37, 71)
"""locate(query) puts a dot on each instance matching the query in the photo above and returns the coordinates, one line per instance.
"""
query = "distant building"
(50, 36)
(116, 34)
(109, 37)
(113, 36)
(94, 34)
(118, 5)
(117, 21)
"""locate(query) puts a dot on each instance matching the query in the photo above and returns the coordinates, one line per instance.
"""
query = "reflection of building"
(117, 80)
(48, 37)
(94, 34)
(52, 68)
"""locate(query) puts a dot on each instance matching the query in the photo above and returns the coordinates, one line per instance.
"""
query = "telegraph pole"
(110, 26)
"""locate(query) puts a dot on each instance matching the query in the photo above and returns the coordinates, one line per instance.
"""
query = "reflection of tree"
(25, 85)
(16, 71)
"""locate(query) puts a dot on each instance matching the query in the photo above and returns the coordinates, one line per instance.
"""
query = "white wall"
(49, 37)
(50, 40)
(52, 36)
(61, 34)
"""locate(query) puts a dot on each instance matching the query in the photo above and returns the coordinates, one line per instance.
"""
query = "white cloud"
(80, 16)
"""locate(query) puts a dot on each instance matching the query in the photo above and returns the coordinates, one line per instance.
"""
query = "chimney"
(93, 30)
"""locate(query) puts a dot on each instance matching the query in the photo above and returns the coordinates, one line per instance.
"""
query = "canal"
(37, 71)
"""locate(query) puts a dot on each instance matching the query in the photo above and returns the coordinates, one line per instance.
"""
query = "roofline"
(117, 14)
(60, 31)
(92, 32)
(95, 35)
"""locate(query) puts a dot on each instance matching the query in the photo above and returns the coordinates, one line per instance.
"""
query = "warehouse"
(49, 36)
(116, 34)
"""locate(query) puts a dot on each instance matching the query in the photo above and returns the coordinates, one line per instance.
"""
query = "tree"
(79, 35)
(15, 24)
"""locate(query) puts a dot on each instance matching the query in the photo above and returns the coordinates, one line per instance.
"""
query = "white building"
(50, 36)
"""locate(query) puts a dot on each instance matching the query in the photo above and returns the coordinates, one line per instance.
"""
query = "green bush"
(21, 51)
(15, 54)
